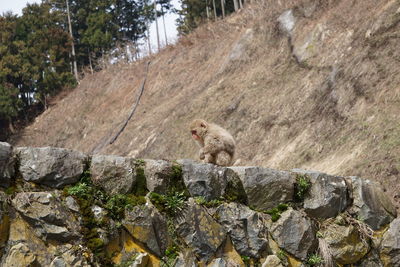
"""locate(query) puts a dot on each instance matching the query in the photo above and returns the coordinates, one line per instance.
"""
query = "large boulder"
(6, 164)
(328, 195)
(48, 216)
(295, 233)
(390, 246)
(200, 231)
(54, 167)
(114, 174)
(345, 243)
(163, 176)
(212, 182)
(246, 228)
(266, 188)
(148, 226)
(371, 205)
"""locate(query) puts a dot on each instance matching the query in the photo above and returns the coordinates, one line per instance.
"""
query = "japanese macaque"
(217, 146)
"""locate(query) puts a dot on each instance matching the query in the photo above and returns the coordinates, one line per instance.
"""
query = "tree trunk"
(90, 62)
(207, 11)
(165, 30)
(148, 40)
(72, 44)
(155, 18)
(236, 5)
(215, 10)
(241, 4)
(223, 8)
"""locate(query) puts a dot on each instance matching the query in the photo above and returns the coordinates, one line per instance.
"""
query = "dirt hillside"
(300, 84)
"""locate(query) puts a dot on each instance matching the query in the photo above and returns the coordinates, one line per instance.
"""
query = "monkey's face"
(198, 129)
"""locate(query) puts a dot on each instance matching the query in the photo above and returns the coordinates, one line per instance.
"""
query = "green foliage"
(171, 204)
(302, 187)
(281, 254)
(313, 260)
(193, 13)
(171, 253)
(246, 260)
(209, 204)
(117, 204)
(277, 211)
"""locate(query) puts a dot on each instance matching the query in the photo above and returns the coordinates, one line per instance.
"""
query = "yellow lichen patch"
(273, 245)
(293, 262)
(21, 231)
(229, 254)
(125, 244)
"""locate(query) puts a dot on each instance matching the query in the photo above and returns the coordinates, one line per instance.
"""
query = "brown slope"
(334, 109)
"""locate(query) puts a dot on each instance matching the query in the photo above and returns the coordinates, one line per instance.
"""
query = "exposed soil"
(327, 98)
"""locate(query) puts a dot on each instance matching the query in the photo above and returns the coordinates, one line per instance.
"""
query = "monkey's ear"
(203, 125)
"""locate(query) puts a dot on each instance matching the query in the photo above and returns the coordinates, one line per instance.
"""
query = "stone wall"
(64, 208)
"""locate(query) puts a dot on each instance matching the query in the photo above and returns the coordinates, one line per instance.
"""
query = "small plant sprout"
(303, 185)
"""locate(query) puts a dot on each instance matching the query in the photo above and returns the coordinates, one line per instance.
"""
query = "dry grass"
(339, 114)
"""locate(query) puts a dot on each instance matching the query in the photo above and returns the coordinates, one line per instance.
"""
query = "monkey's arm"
(201, 154)
(212, 145)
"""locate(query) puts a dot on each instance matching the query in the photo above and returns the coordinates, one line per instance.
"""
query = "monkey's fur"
(217, 146)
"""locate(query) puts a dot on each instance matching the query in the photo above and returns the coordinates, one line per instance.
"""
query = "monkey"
(217, 146)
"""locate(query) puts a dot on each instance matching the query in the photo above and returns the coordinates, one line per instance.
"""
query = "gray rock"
(141, 260)
(266, 188)
(149, 227)
(390, 247)
(6, 164)
(162, 175)
(371, 204)
(328, 195)
(116, 175)
(295, 233)
(272, 261)
(58, 262)
(212, 182)
(47, 215)
(69, 258)
(246, 228)
(71, 203)
(287, 22)
(200, 231)
(54, 167)
(218, 262)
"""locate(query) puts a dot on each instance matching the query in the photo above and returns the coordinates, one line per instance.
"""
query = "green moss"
(176, 183)
(140, 187)
(302, 187)
(10, 190)
(277, 211)
(171, 253)
(235, 192)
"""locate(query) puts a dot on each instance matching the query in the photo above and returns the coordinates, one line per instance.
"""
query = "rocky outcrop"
(371, 205)
(295, 233)
(71, 209)
(54, 167)
(327, 196)
(112, 173)
(266, 188)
